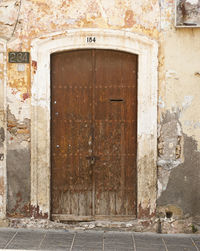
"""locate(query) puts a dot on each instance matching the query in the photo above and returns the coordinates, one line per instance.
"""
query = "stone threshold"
(154, 225)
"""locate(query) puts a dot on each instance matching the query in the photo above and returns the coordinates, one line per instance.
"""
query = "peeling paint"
(15, 126)
(2, 135)
(18, 172)
(2, 128)
(34, 65)
(170, 148)
(18, 81)
(37, 213)
(18, 106)
(178, 104)
(182, 187)
(26, 96)
(145, 212)
(1, 156)
(129, 18)
(187, 101)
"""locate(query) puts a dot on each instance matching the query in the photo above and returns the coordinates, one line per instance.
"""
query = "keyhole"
(92, 160)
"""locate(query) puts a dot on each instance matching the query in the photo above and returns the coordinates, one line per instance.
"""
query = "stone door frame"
(147, 51)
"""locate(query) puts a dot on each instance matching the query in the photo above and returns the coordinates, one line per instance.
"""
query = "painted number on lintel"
(91, 39)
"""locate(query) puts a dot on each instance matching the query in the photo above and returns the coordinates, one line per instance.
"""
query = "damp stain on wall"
(182, 189)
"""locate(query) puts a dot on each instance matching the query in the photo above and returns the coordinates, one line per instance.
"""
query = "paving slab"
(196, 240)
(118, 249)
(88, 241)
(57, 241)
(178, 248)
(151, 249)
(178, 241)
(150, 239)
(5, 237)
(118, 241)
(149, 245)
(26, 239)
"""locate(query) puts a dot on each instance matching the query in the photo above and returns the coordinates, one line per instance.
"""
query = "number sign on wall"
(18, 57)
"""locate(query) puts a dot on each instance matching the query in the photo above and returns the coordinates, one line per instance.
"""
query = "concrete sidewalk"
(26, 239)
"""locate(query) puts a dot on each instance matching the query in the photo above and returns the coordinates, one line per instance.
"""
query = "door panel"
(94, 133)
(70, 130)
(115, 132)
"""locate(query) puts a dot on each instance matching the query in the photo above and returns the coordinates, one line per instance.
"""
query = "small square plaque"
(18, 57)
(21, 67)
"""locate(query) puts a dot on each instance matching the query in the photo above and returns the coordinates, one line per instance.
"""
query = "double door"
(93, 134)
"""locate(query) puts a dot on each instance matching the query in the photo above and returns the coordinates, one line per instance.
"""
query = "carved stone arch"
(147, 51)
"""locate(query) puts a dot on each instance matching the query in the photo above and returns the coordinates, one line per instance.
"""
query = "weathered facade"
(163, 36)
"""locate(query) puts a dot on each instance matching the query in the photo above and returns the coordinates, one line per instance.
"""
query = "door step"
(78, 218)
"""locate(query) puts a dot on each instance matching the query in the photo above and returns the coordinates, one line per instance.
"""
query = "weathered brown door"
(94, 134)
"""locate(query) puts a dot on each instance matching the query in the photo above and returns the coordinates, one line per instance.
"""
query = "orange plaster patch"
(25, 96)
(147, 8)
(1, 185)
(19, 81)
(23, 131)
(129, 18)
(34, 64)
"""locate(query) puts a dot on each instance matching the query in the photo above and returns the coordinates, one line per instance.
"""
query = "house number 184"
(91, 39)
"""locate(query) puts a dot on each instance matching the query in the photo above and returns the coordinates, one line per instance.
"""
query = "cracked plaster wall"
(2, 129)
(179, 71)
(178, 125)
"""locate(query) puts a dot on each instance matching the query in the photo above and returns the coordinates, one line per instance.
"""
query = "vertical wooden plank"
(74, 196)
(102, 203)
(85, 203)
(67, 201)
(112, 203)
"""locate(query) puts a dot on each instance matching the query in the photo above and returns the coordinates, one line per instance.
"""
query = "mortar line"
(103, 242)
(134, 244)
(10, 240)
(194, 244)
(73, 242)
(164, 244)
(42, 240)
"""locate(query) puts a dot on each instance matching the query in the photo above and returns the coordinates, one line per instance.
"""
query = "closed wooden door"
(94, 134)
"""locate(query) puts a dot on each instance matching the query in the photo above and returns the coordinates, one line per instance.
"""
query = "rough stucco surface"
(23, 21)
(37, 17)
(182, 187)
(18, 165)
(18, 172)
(178, 169)
(179, 76)
(2, 129)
